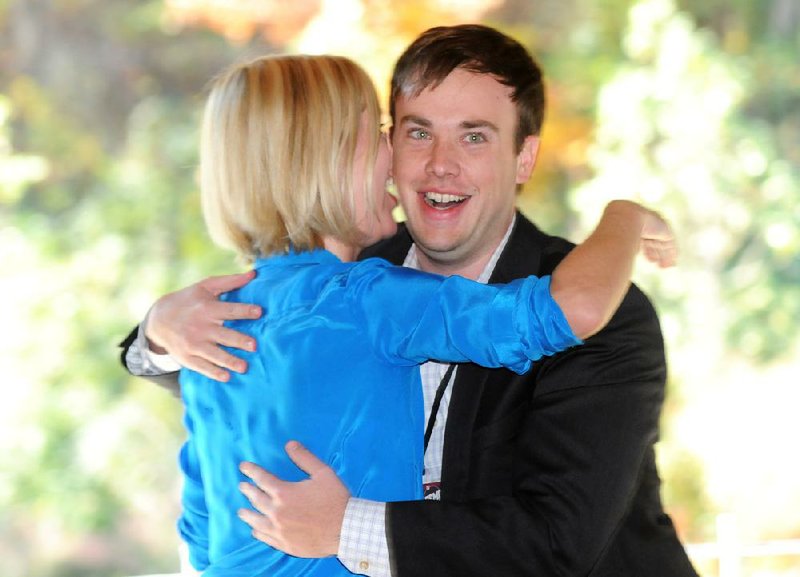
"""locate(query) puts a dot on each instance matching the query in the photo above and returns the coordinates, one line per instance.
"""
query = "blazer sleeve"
(167, 380)
(544, 495)
(412, 317)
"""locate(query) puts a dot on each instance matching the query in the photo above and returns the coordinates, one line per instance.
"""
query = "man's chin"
(441, 250)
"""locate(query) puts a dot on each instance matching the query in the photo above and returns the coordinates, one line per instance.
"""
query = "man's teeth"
(438, 198)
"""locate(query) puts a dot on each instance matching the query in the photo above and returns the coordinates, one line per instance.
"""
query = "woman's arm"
(412, 316)
(591, 281)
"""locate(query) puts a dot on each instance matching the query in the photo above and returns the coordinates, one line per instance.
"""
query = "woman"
(293, 170)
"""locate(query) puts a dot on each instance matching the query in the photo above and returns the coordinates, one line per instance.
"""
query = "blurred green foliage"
(98, 213)
(693, 108)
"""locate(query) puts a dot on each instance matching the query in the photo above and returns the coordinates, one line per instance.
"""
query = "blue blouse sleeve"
(193, 523)
(412, 317)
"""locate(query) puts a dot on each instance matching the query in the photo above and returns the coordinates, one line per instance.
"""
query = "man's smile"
(443, 201)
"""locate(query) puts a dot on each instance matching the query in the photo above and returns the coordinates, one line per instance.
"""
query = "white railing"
(731, 552)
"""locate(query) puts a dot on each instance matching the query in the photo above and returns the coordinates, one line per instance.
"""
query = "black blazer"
(551, 473)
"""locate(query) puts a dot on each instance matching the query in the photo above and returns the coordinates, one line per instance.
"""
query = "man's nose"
(443, 160)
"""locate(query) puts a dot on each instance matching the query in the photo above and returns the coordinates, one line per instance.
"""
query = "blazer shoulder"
(529, 251)
(532, 251)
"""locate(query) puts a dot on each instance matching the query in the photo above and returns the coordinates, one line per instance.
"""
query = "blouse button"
(363, 565)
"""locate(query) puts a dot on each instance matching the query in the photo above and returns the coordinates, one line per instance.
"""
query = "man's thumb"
(303, 458)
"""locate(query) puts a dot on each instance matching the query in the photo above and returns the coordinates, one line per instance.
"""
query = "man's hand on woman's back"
(188, 324)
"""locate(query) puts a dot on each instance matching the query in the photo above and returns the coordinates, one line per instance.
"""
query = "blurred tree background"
(692, 106)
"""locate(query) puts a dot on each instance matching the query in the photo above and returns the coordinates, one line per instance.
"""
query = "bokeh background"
(691, 106)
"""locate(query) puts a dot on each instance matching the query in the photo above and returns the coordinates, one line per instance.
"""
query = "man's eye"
(419, 134)
(474, 137)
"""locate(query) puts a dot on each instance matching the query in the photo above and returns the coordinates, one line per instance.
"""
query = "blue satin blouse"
(338, 346)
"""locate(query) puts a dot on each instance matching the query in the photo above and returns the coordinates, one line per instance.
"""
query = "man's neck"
(479, 269)
(470, 269)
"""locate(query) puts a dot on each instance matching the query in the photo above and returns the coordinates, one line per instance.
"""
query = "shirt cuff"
(363, 547)
(142, 362)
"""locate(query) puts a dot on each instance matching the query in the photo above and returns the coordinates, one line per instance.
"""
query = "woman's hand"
(658, 241)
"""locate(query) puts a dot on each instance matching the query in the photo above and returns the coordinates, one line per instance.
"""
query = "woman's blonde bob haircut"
(278, 149)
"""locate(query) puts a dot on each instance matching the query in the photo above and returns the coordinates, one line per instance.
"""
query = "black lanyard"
(437, 400)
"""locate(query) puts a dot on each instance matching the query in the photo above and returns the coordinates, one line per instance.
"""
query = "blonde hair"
(278, 151)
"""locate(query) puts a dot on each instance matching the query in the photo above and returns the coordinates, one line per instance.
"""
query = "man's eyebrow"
(413, 119)
(473, 124)
(465, 124)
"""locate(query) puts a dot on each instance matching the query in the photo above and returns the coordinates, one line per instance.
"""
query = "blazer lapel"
(461, 413)
(521, 257)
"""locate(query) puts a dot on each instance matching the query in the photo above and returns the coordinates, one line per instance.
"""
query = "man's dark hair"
(474, 48)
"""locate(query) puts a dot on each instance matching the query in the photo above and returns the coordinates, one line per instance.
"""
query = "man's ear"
(526, 159)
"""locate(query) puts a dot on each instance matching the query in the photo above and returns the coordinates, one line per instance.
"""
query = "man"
(549, 473)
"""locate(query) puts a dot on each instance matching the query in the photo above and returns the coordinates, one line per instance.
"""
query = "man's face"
(456, 169)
